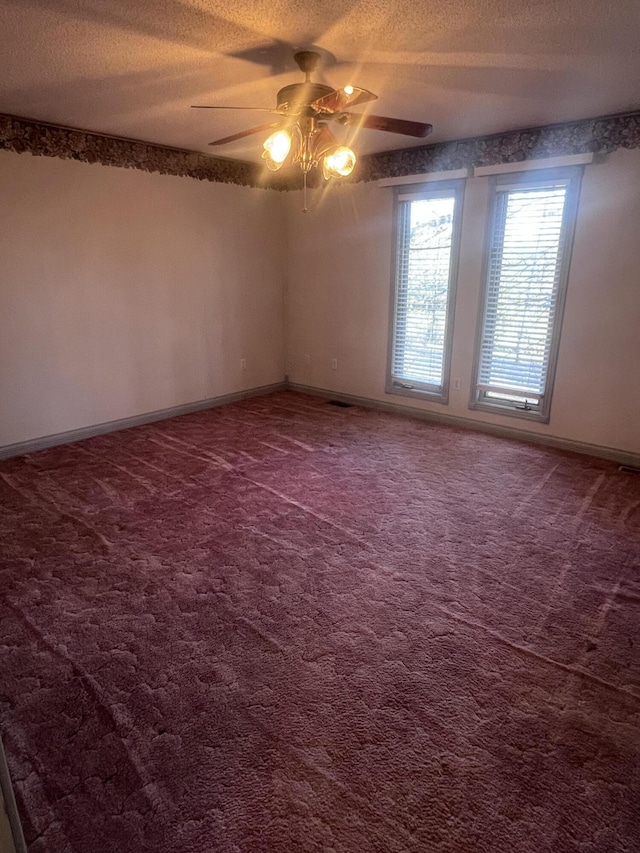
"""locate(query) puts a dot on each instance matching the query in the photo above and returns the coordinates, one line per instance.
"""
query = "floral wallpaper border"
(599, 135)
(48, 140)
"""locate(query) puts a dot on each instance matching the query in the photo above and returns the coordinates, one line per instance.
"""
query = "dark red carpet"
(286, 627)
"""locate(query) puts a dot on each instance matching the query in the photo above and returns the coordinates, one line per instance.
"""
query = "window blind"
(423, 272)
(523, 280)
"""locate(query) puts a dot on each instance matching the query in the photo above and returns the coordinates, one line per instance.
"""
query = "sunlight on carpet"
(286, 626)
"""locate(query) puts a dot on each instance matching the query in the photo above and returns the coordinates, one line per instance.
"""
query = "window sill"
(433, 396)
(511, 412)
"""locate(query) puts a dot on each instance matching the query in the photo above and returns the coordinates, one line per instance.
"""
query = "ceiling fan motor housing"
(299, 95)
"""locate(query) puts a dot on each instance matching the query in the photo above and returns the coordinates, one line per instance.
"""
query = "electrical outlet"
(456, 384)
(334, 364)
(243, 364)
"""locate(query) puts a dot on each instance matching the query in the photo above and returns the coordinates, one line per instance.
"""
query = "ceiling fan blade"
(393, 125)
(341, 99)
(244, 133)
(207, 107)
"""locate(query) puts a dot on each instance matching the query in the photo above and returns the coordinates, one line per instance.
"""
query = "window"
(427, 234)
(531, 231)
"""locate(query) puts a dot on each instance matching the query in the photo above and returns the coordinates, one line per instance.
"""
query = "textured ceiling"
(469, 67)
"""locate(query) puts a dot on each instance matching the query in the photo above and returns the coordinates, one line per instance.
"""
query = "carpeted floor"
(284, 627)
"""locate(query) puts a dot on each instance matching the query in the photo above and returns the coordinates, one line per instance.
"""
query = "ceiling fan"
(305, 109)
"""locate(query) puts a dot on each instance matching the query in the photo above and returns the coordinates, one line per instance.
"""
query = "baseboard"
(6, 792)
(19, 449)
(613, 454)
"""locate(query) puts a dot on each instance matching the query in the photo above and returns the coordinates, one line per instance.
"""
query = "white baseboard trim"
(10, 807)
(19, 449)
(613, 454)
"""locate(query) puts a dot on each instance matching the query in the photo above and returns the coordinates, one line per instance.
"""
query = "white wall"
(123, 292)
(338, 284)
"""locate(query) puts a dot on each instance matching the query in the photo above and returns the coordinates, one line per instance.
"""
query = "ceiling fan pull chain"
(304, 192)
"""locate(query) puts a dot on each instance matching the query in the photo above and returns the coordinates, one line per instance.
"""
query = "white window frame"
(402, 196)
(534, 409)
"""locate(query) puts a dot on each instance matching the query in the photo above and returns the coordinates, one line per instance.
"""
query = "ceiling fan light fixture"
(340, 163)
(304, 109)
(276, 149)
